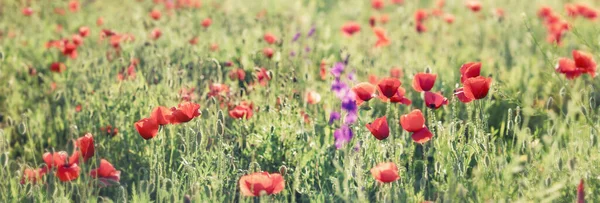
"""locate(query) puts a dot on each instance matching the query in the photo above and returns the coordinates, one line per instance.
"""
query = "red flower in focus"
(27, 11)
(584, 62)
(257, 184)
(66, 166)
(460, 94)
(270, 38)
(312, 97)
(85, 145)
(237, 74)
(389, 86)
(422, 136)
(84, 31)
(385, 172)
(350, 28)
(69, 172)
(435, 100)
(162, 115)
(147, 128)
(413, 121)
(186, 111)
(57, 67)
(33, 175)
(206, 22)
(364, 91)
(469, 70)
(379, 128)
(477, 87)
(155, 34)
(377, 4)
(474, 5)
(399, 97)
(155, 14)
(106, 173)
(263, 76)
(268, 52)
(424, 81)
(567, 66)
(243, 110)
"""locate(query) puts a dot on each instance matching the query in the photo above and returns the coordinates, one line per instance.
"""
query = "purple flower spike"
(339, 88)
(311, 32)
(337, 69)
(351, 76)
(351, 117)
(296, 37)
(342, 136)
(334, 116)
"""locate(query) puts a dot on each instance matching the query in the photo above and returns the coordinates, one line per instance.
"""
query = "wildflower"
(260, 183)
(57, 67)
(389, 86)
(106, 173)
(155, 14)
(422, 136)
(379, 128)
(155, 34)
(27, 11)
(85, 145)
(342, 136)
(435, 100)
(147, 128)
(424, 81)
(312, 97)
(413, 121)
(477, 87)
(162, 115)
(474, 5)
(185, 112)
(268, 52)
(350, 28)
(243, 110)
(377, 4)
(237, 74)
(364, 91)
(469, 70)
(206, 22)
(33, 175)
(460, 94)
(270, 38)
(84, 31)
(385, 172)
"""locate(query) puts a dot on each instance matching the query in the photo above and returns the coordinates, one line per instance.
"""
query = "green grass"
(532, 139)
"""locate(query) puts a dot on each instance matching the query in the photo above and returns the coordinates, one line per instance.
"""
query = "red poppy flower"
(100, 21)
(217, 90)
(449, 18)
(396, 73)
(56, 159)
(382, 38)
(384, 18)
(385, 172)
(155, 34)
(77, 39)
(420, 16)
(243, 110)
(424, 81)
(106, 173)
(364, 91)
(270, 38)
(372, 21)
(460, 94)
(422, 136)
(379, 128)
(420, 27)
(373, 79)
(323, 70)
(85, 145)
(499, 12)
(437, 12)
(74, 5)
(474, 5)
(257, 184)
(397, 1)
(567, 66)
(57, 67)
(263, 76)
(237, 74)
(84, 31)
(470, 70)
(389, 86)
(27, 11)
(206, 22)
(185, 112)
(544, 11)
(193, 41)
(162, 115)
(312, 97)
(268, 52)
(68, 172)
(147, 128)
(350, 28)
(33, 175)
(400, 98)
(586, 11)
(585, 62)
(580, 192)
(70, 49)
(155, 14)
(435, 100)
(477, 87)
(377, 4)
(413, 121)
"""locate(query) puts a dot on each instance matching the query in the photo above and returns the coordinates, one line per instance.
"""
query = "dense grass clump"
(277, 86)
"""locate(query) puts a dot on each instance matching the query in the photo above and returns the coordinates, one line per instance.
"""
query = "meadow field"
(299, 101)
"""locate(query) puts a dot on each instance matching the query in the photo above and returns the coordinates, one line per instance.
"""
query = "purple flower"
(342, 136)
(349, 103)
(351, 75)
(296, 37)
(334, 116)
(339, 88)
(307, 49)
(311, 31)
(337, 69)
(346, 59)
(350, 117)
(292, 53)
